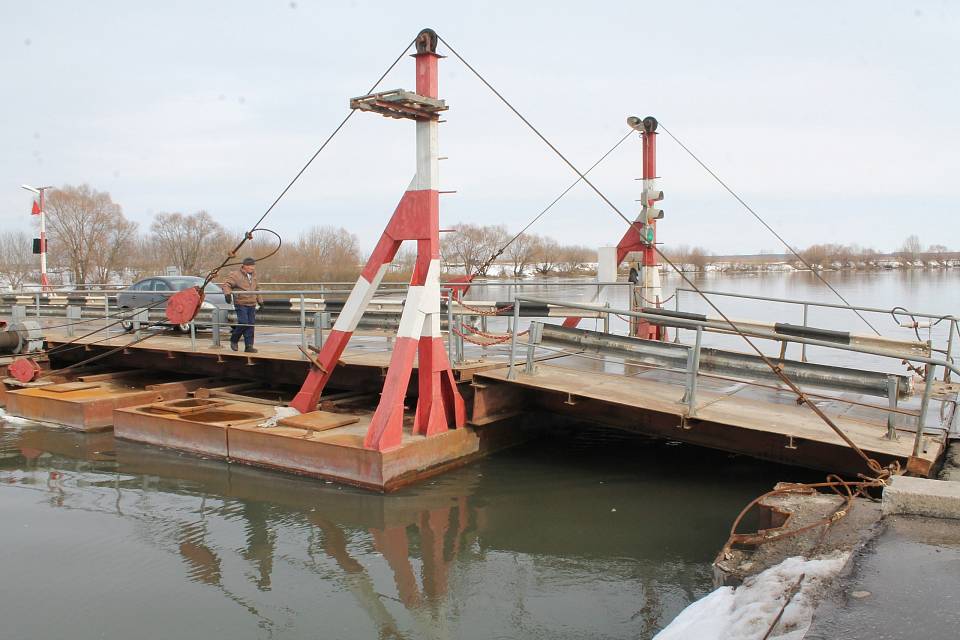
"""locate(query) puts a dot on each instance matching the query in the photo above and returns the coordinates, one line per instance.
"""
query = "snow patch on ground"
(279, 413)
(746, 612)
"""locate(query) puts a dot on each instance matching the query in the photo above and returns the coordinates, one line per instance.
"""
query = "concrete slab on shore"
(905, 495)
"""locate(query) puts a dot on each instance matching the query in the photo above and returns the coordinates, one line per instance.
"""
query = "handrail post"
(193, 335)
(38, 304)
(533, 339)
(303, 327)
(511, 374)
(803, 347)
(450, 325)
(73, 317)
(949, 355)
(676, 307)
(320, 320)
(930, 371)
(893, 391)
(693, 366)
(215, 327)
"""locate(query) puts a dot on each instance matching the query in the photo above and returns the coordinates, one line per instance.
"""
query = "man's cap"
(249, 261)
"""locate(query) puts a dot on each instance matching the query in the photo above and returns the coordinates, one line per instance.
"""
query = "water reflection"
(566, 538)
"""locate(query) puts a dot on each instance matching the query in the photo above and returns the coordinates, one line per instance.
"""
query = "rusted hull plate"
(202, 430)
(89, 409)
(85, 410)
(340, 456)
(334, 454)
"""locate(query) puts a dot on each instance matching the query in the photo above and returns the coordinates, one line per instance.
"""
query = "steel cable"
(767, 226)
(872, 464)
(249, 234)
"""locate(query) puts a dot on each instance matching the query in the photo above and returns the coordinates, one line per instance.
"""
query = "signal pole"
(40, 191)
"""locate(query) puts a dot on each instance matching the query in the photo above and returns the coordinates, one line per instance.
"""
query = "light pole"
(44, 282)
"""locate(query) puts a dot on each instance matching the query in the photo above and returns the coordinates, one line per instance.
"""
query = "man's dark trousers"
(246, 317)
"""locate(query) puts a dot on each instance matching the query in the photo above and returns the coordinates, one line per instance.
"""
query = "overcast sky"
(838, 121)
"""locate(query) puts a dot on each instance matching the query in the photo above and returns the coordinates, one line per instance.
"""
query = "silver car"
(153, 292)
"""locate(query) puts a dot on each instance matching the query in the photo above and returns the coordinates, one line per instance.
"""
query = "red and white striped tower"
(643, 235)
(417, 217)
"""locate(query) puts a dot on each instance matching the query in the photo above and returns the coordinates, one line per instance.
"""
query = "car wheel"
(183, 328)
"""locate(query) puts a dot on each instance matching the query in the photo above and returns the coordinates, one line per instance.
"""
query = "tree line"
(93, 241)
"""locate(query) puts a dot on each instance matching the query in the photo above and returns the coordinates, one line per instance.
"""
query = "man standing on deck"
(246, 304)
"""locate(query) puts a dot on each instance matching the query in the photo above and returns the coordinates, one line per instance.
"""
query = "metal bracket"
(400, 104)
(790, 444)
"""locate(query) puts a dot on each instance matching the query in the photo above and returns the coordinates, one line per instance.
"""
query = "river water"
(581, 533)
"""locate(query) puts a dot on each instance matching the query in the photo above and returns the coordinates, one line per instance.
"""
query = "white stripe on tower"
(357, 301)
(428, 165)
(411, 320)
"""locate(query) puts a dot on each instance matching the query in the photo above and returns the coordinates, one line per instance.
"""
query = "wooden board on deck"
(319, 420)
(64, 387)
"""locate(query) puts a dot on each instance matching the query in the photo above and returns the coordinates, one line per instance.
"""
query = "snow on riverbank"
(745, 613)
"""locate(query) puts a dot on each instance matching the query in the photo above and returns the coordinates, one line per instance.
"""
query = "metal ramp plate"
(398, 103)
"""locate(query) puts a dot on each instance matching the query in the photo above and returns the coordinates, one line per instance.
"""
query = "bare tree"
(82, 223)
(16, 258)
(322, 253)
(699, 258)
(545, 255)
(472, 245)
(117, 251)
(184, 240)
(910, 249)
(520, 253)
(573, 258)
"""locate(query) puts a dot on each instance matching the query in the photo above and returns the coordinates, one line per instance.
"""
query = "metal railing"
(692, 370)
(953, 328)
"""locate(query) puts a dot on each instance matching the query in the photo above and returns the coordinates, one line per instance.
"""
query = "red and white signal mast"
(642, 236)
(40, 244)
(417, 217)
